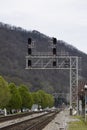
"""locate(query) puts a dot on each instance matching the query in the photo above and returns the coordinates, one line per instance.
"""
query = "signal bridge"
(56, 60)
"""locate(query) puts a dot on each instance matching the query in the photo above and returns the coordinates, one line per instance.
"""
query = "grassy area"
(78, 125)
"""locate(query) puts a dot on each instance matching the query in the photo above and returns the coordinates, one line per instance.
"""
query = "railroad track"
(15, 116)
(36, 123)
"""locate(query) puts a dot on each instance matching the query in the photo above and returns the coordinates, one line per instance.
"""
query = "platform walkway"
(61, 121)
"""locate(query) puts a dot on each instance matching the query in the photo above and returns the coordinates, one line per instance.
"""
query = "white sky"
(64, 19)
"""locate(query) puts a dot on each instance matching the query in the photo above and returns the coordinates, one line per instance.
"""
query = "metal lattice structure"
(57, 61)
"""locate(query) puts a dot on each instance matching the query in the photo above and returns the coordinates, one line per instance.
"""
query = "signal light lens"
(54, 40)
(54, 51)
(29, 40)
(54, 63)
(29, 63)
(29, 51)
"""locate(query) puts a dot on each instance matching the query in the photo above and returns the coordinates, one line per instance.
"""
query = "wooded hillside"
(13, 49)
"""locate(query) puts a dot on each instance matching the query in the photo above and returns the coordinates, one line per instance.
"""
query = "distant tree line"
(19, 97)
(10, 27)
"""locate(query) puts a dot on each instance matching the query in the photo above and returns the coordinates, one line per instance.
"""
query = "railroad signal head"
(54, 51)
(54, 63)
(29, 63)
(54, 40)
(29, 41)
(29, 51)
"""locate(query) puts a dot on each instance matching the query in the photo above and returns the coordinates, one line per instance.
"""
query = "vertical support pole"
(42, 63)
(85, 105)
(77, 84)
(70, 86)
(26, 63)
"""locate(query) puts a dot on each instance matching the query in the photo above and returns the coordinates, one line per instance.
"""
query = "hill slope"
(13, 49)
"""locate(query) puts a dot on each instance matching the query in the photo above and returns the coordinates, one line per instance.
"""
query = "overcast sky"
(64, 19)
